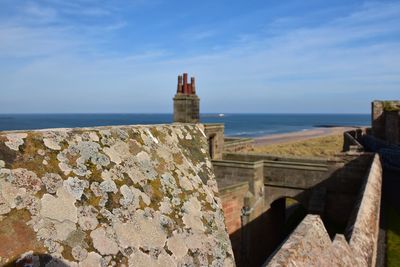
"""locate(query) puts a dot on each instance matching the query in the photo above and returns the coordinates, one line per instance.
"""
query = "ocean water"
(239, 125)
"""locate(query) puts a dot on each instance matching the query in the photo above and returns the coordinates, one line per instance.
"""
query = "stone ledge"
(238, 164)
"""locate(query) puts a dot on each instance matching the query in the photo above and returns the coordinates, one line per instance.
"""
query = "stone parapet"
(310, 244)
(363, 233)
(238, 144)
(123, 195)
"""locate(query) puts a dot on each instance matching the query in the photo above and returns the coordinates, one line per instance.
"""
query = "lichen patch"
(15, 140)
(51, 206)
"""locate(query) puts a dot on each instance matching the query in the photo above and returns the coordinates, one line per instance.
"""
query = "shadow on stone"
(36, 260)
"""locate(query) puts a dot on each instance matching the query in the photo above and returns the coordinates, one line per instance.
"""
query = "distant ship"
(221, 115)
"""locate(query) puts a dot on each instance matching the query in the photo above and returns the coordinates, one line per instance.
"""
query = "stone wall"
(231, 172)
(126, 195)
(378, 119)
(323, 186)
(232, 198)
(238, 144)
(363, 231)
(310, 244)
(351, 140)
(250, 208)
(215, 137)
(257, 156)
(233, 202)
(392, 127)
(383, 127)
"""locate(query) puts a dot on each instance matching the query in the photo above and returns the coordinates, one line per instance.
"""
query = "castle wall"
(231, 172)
(392, 127)
(351, 140)
(123, 195)
(378, 119)
(322, 186)
(215, 137)
(250, 207)
(232, 198)
(363, 233)
(385, 118)
(238, 144)
(310, 244)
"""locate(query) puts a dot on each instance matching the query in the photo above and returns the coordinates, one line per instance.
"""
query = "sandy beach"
(299, 136)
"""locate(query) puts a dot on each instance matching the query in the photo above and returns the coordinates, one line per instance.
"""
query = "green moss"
(134, 147)
(159, 163)
(192, 149)
(28, 158)
(206, 206)
(120, 259)
(6, 154)
(390, 106)
(290, 201)
(52, 164)
(88, 239)
(142, 205)
(393, 238)
(113, 201)
(127, 180)
(120, 182)
(158, 134)
(96, 173)
(178, 159)
(156, 194)
(135, 135)
(67, 253)
(94, 201)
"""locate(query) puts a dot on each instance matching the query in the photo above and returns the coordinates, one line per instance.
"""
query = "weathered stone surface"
(364, 234)
(104, 242)
(15, 140)
(310, 244)
(59, 208)
(129, 195)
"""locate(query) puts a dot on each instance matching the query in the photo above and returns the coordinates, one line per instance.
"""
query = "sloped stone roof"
(132, 195)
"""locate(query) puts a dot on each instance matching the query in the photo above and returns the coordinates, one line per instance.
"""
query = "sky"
(255, 56)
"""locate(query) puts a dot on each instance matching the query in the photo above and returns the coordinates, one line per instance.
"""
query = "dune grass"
(393, 238)
(314, 147)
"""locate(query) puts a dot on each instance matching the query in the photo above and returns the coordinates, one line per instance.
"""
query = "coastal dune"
(319, 142)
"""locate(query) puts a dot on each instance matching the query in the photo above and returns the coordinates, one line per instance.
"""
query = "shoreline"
(299, 136)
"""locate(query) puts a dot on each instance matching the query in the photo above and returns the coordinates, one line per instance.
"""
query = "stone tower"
(186, 102)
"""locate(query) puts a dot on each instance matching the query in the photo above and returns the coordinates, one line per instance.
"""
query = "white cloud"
(39, 12)
(302, 69)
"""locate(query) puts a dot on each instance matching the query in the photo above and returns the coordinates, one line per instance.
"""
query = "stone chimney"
(186, 102)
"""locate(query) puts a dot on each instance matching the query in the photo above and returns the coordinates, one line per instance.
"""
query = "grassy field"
(393, 238)
(319, 146)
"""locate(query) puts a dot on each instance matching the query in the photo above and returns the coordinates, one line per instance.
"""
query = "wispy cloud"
(38, 12)
(337, 65)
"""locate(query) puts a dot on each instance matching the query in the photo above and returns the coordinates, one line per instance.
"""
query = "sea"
(236, 125)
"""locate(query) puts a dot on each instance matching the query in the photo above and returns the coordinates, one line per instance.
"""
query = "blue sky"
(247, 56)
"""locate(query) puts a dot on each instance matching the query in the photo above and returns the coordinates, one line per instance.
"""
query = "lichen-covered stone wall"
(110, 196)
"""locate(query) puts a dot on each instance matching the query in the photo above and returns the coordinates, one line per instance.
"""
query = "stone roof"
(132, 195)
